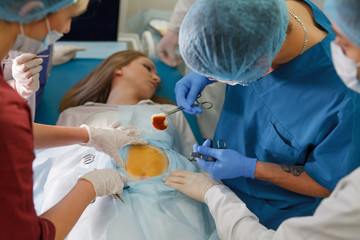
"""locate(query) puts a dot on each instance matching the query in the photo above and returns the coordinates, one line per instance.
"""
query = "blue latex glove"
(228, 164)
(187, 89)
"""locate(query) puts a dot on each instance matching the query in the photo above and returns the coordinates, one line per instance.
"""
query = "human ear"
(119, 72)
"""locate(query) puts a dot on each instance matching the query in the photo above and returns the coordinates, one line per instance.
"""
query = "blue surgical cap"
(24, 11)
(233, 39)
(346, 15)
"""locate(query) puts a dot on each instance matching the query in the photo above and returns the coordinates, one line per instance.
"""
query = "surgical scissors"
(204, 105)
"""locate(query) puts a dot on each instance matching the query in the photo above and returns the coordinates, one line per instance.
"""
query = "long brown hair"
(96, 86)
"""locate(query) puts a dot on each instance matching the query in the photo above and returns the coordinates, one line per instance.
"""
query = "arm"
(180, 10)
(337, 217)
(96, 183)
(231, 164)
(167, 45)
(65, 214)
(46, 136)
(292, 178)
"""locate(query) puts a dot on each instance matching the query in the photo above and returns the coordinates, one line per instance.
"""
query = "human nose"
(156, 78)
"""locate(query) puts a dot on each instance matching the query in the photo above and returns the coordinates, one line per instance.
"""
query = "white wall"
(137, 5)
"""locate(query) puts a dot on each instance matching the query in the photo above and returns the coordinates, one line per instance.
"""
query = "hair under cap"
(233, 39)
(24, 11)
(346, 14)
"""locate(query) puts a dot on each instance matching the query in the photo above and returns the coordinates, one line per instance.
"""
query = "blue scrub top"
(300, 114)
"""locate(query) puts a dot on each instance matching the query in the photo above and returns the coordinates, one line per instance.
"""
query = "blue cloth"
(24, 11)
(302, 114)
(346, 14)
(233, 39)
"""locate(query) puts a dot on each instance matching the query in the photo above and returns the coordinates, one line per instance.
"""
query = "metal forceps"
(221, 144)
(117, 196)
(204, 105)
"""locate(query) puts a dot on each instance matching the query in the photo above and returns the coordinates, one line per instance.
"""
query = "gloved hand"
(25, 71)
(228, 164)
(106, 181)
(110, 140)
(63, 54)
(166, 48)
(192, 184)
(187, 89)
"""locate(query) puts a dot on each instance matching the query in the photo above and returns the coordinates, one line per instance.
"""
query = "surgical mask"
(345, 67)
(27, 44)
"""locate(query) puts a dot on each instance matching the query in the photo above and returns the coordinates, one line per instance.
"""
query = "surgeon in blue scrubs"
(288, 121)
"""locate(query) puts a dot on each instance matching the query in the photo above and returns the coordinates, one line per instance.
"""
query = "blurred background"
(128, 21)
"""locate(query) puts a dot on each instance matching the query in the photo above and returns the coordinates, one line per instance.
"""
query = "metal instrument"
(204, 105)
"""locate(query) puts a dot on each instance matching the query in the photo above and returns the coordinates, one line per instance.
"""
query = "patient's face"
(141, 74)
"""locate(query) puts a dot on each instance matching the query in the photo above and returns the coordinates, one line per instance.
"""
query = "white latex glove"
(166, 48)
(63, 54)
(192, 184)
(110, 140)
(25, 71)
(106, 181)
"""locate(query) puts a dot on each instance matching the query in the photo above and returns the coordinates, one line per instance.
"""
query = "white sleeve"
(180, 10)
(337, 217)
(232, 218)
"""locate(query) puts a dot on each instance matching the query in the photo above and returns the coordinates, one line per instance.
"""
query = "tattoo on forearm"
(294, 170)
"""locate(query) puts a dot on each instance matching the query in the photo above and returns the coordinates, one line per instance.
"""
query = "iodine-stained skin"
(145, 162)
(159, 121)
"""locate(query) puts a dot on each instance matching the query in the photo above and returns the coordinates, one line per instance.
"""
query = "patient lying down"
(119, 90)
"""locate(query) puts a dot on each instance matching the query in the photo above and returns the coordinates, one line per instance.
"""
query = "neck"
(294, 42)
(8, 35)
(121, 95)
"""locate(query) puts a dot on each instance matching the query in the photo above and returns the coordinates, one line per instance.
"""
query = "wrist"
(85, 134)
(87, 187)
(213, 191)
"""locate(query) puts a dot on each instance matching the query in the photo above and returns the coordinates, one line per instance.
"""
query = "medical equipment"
(159, 120)
(233, 40)
(198, 155)
(106, 181)
(229, 163)
(24, 11)
(345, 14)
(204, 105)
(187, 90)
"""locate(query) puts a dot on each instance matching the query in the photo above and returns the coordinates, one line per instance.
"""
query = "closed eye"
(147, 67)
